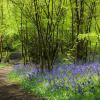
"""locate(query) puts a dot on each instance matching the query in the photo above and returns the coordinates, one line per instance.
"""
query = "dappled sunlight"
(50, 49)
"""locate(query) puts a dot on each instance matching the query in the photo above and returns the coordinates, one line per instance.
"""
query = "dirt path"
(11, 91)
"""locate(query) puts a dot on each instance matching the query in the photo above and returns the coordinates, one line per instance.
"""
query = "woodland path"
(12, 91)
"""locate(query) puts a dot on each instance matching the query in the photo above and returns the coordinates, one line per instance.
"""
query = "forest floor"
(12, 91)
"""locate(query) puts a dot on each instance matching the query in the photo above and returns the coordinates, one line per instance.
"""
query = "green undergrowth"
(3, 65)
(42, 89)
(93, 37)
(14, 77)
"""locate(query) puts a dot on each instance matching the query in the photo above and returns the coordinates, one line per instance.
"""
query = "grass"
(86, 88)
(2, 65)
(14, 77)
